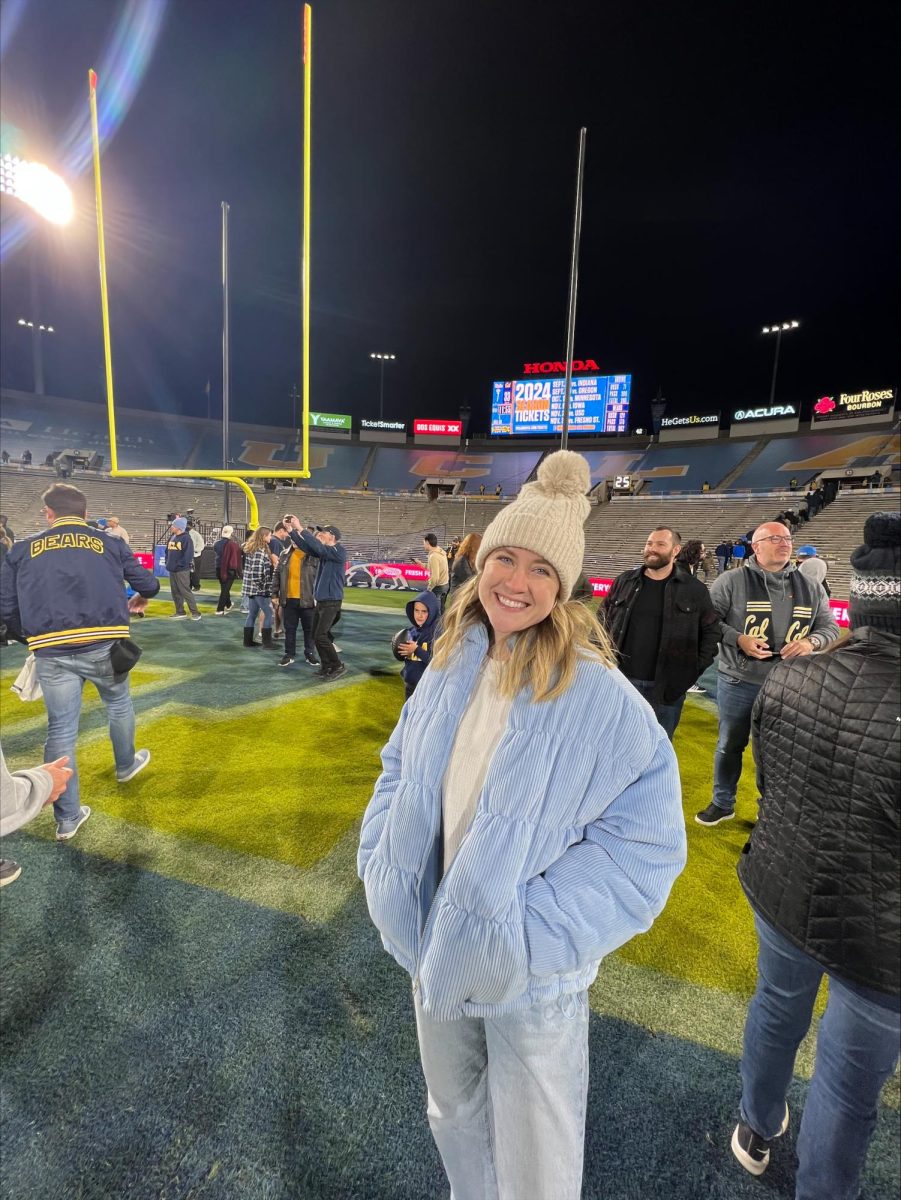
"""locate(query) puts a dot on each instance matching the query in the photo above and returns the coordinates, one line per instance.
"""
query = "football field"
(195, 1004)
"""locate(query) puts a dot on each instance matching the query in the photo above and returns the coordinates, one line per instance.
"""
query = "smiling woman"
(511, 843)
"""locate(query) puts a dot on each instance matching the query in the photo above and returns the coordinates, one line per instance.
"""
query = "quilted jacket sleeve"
(376, 813)
(613, 883)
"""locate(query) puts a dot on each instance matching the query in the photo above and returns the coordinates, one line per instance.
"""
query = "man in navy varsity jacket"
(63, 593)
(328, 592)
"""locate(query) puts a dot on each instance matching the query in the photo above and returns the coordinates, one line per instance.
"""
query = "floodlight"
(38, 187)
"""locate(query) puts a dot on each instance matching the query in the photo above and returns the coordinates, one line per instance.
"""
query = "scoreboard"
(597, 404)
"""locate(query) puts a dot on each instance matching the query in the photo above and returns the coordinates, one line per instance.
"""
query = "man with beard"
(664, 627)
(770, 612)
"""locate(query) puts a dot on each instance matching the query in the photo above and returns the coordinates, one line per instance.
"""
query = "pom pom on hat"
(547, 517)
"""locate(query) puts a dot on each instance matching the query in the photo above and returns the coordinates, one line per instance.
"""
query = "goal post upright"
(228, 475)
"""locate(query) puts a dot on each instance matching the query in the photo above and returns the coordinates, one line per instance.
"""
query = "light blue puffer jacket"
(577, 839)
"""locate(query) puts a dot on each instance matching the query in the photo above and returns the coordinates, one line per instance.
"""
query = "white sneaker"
(197, 618)
(336, 647)
(179, 617)
(701, 691)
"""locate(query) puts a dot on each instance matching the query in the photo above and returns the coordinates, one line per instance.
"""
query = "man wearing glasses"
(769, 611)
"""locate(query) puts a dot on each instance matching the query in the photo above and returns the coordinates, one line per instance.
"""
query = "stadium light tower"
(37, 352)
(784, 327)
(382, 359)
(45, 192)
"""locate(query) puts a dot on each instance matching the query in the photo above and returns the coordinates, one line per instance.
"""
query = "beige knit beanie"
(547, 517)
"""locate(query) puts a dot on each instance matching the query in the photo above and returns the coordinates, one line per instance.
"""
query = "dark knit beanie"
(876, 575)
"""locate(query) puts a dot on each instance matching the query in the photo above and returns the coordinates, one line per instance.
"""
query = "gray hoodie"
(729, 593)
(22, 796)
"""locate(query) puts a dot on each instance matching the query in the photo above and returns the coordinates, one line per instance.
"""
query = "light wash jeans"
(734, 701)
(507, 1100)
(62, 678)
(857, 1051)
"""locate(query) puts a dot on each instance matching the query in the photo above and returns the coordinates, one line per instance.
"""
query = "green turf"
(378, 597)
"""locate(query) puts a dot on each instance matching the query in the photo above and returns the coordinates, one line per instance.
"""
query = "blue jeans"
(667, 714)
(857, 1051)
(507, 1099)
(62, 678)
(734, 700)
(259, 604)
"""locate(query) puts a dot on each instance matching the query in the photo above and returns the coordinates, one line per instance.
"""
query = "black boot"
(248, 636)
(267, 640)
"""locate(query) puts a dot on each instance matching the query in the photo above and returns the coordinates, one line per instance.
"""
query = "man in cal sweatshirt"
(179, 564)
(770, 612)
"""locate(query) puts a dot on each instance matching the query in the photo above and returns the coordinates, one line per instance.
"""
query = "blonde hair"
(258, 540)
(544, 657)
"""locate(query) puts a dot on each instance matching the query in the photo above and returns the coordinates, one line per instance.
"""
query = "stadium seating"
(805, 457)
(838, 529)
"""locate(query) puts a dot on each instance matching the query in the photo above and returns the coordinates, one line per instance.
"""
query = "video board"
(597, 404)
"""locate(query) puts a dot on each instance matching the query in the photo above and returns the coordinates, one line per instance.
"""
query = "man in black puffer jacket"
(822, 875)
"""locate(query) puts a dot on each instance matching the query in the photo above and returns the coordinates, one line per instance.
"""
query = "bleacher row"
(379, 528)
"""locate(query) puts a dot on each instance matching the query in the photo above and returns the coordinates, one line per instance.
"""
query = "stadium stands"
(805, 457)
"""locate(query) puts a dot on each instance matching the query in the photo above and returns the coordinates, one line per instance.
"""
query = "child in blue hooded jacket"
(424, 612)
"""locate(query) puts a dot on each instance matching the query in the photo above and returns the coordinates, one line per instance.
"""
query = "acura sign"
(771, 412)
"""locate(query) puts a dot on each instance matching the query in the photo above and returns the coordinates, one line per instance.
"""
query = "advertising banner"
(321, 420)
(853, 404)
(390, 576)
(438, 428)
(710, 418)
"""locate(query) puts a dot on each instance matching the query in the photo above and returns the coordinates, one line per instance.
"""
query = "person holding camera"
(324, 545)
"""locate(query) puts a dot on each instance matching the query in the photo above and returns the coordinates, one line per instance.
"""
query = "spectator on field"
(723, 554)
(527, 772)
(437, 563)
(821, 873)
(277, 543)
(769, 612)
(4, 457)
(22, 796)
(814, 567)
(114, 529)
(705, 486)
(464, 565)
(197, 541)
(698, 562)
(26, 458)
(179, 564)
(325, 545)
(4, 522)
(481, 489)
(424, 613)
(739, 551)
(77, 633)
(452, 550)
(5, 543)
(293, 589)
(499, 491)
(663, 625)
(793, 484)
(256, 585)
(229, 557)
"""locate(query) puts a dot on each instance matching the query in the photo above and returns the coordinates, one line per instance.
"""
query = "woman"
(257, 585)
(527, 823)
(228, 563)
(694, 555)
(464, 562)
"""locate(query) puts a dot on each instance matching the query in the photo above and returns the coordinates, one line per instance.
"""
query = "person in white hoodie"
(22, 796)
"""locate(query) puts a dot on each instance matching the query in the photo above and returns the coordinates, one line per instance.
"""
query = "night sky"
(742, 168)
